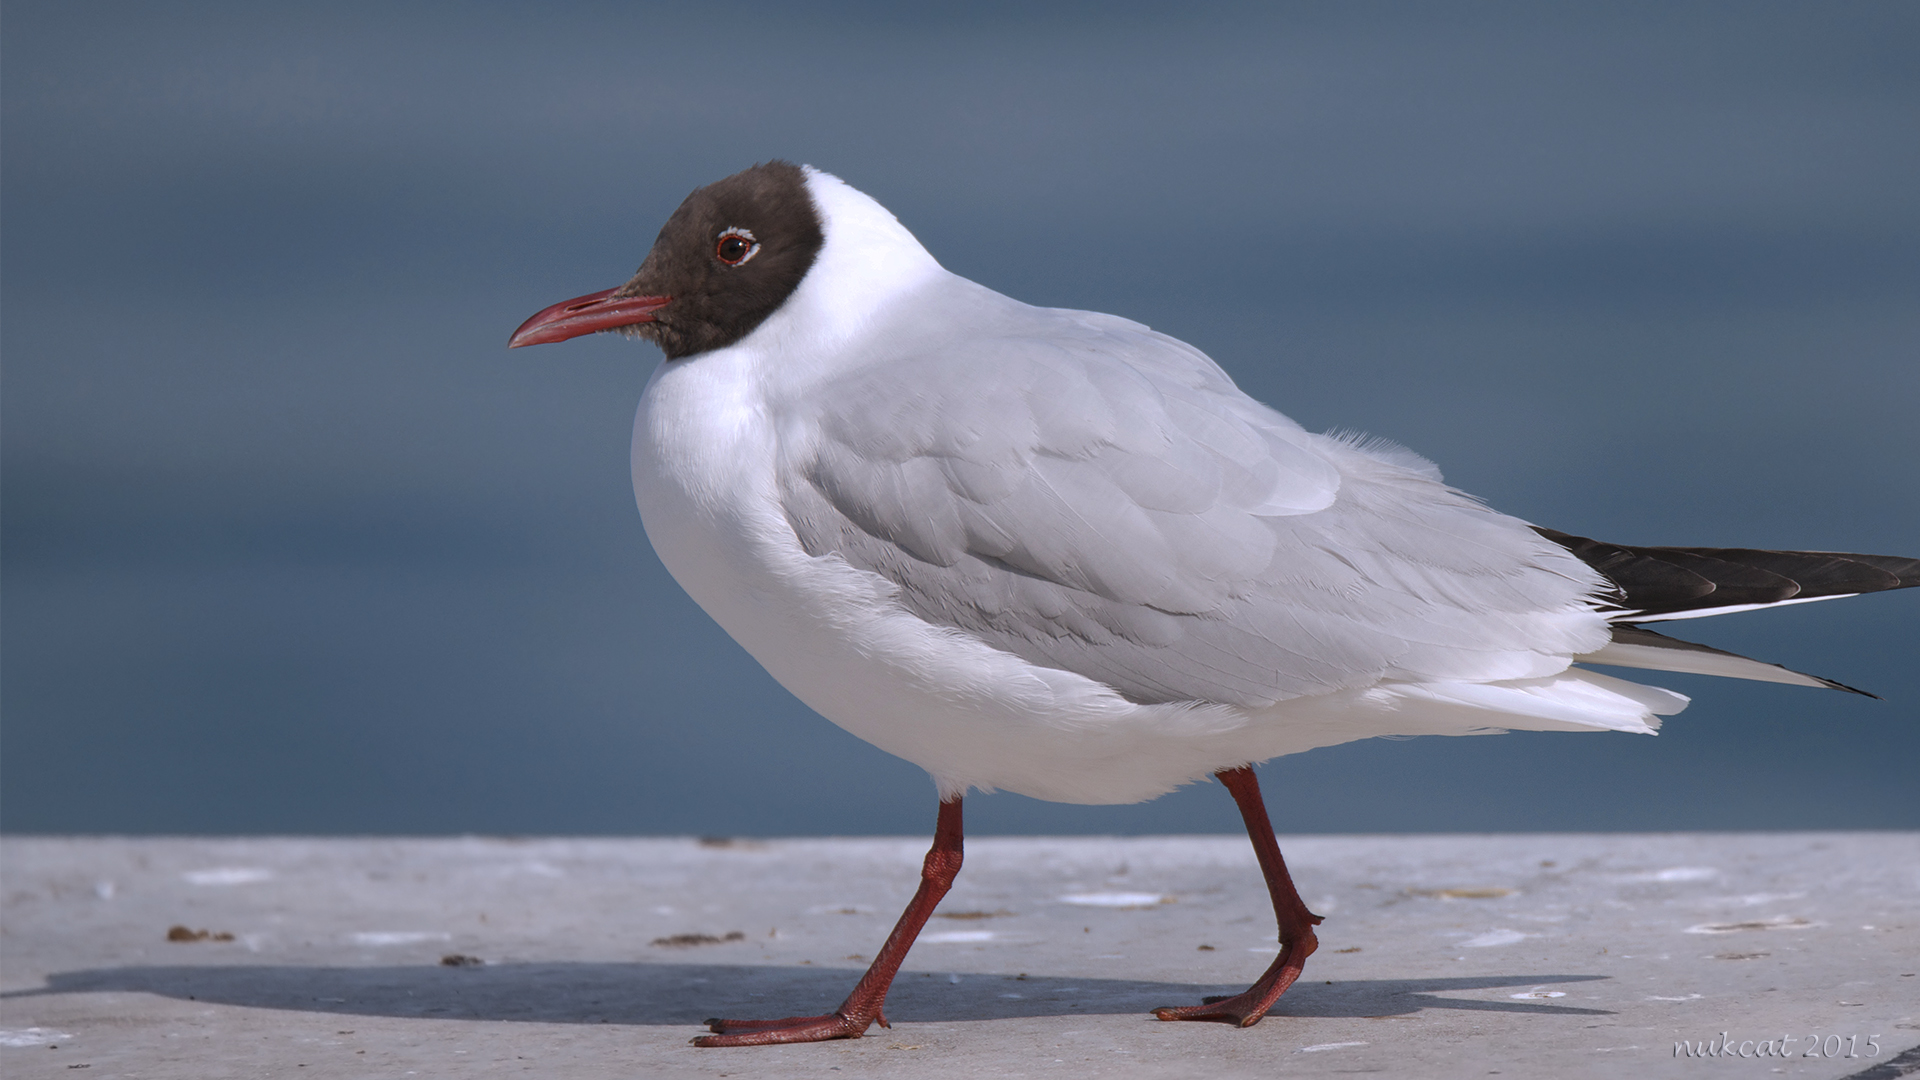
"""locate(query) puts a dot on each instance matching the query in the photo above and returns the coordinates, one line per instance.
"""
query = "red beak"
(584, 315)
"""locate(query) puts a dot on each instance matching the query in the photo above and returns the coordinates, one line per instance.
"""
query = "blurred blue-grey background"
(293, 544)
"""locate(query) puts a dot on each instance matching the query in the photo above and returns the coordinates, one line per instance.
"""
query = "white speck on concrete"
(1675, 873)
(32, 1036)
(1116, 899)
(1756, 899)
(228, 875)
(1778, 922)
(382, 938)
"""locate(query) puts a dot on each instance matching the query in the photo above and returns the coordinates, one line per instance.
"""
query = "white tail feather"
(1726, 665)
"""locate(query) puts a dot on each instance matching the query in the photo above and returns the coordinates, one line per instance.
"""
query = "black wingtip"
(1653, 581)
(1833, 684)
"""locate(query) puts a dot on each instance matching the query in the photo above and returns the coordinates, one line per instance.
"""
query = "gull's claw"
(792, 1029)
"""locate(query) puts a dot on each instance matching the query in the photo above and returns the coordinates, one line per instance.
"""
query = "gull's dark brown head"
(727, 258)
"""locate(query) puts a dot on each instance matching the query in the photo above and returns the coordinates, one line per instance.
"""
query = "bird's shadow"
(687, 993)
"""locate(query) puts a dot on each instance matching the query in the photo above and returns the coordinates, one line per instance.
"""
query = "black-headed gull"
(1056, 553)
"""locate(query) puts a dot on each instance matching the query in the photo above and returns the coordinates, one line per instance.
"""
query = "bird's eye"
(735, 246)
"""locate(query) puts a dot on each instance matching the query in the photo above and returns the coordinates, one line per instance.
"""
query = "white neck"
(868, 259)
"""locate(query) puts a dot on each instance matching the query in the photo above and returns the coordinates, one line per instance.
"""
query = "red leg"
(862, 1007)
(1296, 922)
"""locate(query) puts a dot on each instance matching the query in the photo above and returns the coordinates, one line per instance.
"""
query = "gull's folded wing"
(1092, 496)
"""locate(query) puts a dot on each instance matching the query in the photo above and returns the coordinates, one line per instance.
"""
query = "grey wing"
(1091, 496)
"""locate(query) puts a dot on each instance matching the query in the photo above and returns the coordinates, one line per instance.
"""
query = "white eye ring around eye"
(735, 246)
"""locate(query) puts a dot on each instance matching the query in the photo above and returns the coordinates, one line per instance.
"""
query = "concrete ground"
(1441, 956)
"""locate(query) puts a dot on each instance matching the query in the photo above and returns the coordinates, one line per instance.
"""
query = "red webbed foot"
(792, 1029)
(1246, 1008)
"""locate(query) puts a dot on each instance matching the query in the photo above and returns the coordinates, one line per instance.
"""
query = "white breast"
(704, 460)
